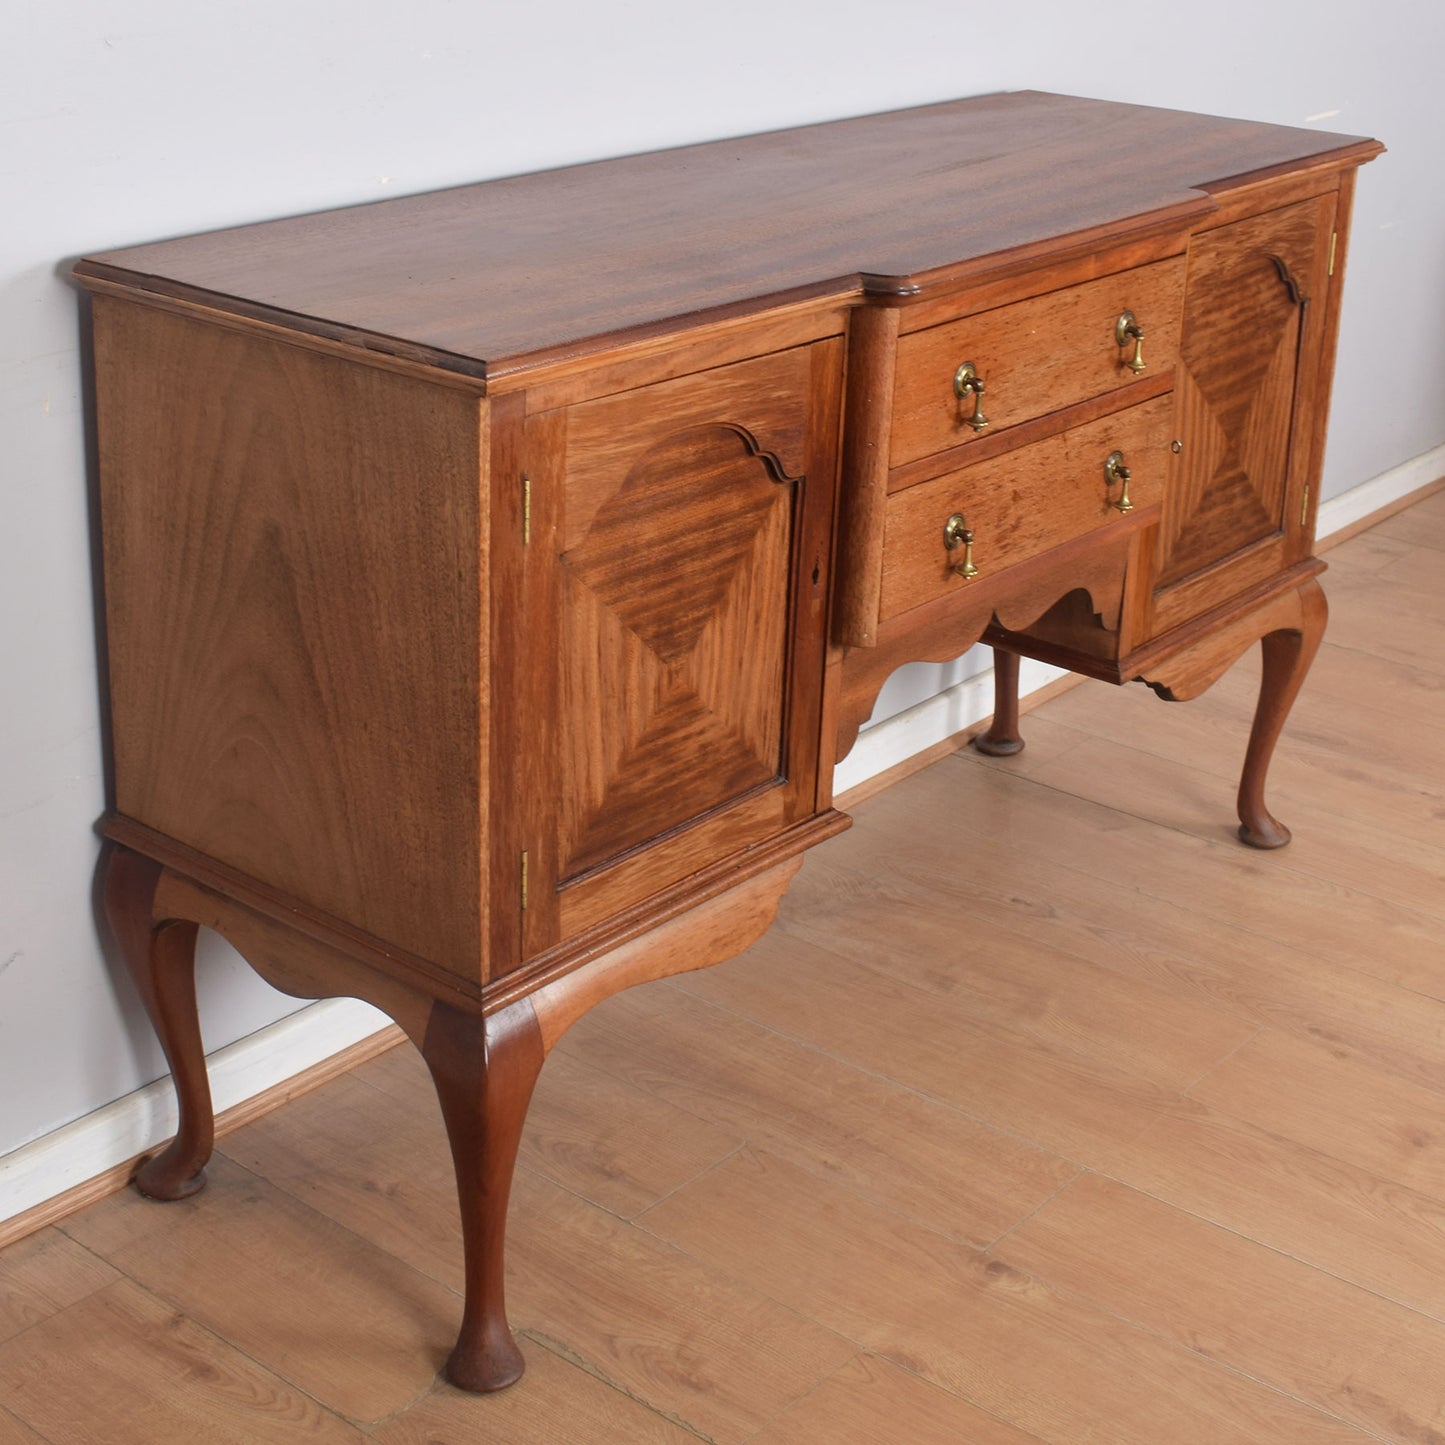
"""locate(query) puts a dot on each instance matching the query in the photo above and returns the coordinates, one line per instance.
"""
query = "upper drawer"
(1034, 357)
(1021, 504)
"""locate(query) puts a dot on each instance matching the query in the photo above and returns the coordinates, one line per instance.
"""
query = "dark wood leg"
(1287, 657)
(1002, 739)
(161, 956)
(484, 1071)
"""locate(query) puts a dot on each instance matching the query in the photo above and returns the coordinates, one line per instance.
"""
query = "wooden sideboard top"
(490, 278)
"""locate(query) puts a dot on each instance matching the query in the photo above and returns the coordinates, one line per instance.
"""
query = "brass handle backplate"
(1117, 474)
(967, 382)
(955, 535)
(1126, 329)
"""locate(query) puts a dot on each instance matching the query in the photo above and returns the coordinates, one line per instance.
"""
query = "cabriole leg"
(161, 957)
(1287, 657)
(484, 1071)
(1002, 739)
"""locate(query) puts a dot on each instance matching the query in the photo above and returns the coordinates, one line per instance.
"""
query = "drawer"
(1021, 504)
(1034, 357)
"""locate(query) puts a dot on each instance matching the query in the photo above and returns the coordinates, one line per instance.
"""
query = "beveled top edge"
(501, 276)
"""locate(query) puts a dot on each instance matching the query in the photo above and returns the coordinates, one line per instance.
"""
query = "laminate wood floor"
(1046, 1112)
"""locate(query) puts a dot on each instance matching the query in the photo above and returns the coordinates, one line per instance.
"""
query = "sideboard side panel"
(293, 549)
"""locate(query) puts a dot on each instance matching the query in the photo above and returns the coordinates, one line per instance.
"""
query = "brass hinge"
(1304, 510)
(524, 880)
(526, 510)
(1334, 236)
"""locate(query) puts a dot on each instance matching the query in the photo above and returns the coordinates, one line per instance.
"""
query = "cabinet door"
(1249, 384)
(685, 527)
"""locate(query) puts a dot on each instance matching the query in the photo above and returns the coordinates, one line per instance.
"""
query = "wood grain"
(714, 930)
(687, 1336)
(343, 1321)
(1343, 1219)
(12, 1432)
(555, 1404)
(1035, 356)
(872, 363)
(484, 1069)
(1339, 1348)
(484, 278)
(1021, 505)
(327, 751)
(856, 909)
(532, 697)
(1349, 695)
(594, 1287)
(45, 1274)
(1040, 1087)
(1423, 525)
(1249, 366)
(1190, 789)
(1270, 1108)
(1320, 1097)
(159, 1378)
(109, 1181)
(1020, 1350)
(690, 524)
(915, 1154)
(681, 568)
(1286, 906)
(873, 1399)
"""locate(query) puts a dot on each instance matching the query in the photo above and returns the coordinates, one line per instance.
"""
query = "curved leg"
(161, 957)
(1002, 739)
(484, 1070)
(1287, 657)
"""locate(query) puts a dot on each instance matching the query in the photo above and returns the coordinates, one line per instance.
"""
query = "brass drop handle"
(955, 535)
(1126, 329)
(1116, 472)
(967, 382)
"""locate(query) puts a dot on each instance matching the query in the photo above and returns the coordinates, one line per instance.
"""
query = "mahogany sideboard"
(493, 577)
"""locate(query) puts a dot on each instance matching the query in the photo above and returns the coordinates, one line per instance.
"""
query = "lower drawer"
(1020, 504)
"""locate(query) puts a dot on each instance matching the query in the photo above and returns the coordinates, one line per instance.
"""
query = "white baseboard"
(1375, 495)
(890, 741)
(137, 1122)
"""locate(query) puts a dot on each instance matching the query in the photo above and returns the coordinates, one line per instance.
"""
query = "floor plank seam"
(1220, 1062)
(691, 1179)
(1203, 1355)
(1103, 1001)
(332, 1222)
(1041, 1205)
(1387, 1298)
(222, 1345)
(567, 1354)
(807, 1395)
(936, 1100)
(1224, 846)
(807, 1167)
(1226, 777)
(1415, 664)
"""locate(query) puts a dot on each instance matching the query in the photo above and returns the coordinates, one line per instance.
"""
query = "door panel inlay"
(675, 607)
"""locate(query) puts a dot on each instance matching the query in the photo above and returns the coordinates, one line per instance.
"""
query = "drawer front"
(1021, 504)
(1034, 357)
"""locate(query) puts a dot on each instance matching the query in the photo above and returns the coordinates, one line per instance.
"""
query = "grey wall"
(128, 123)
